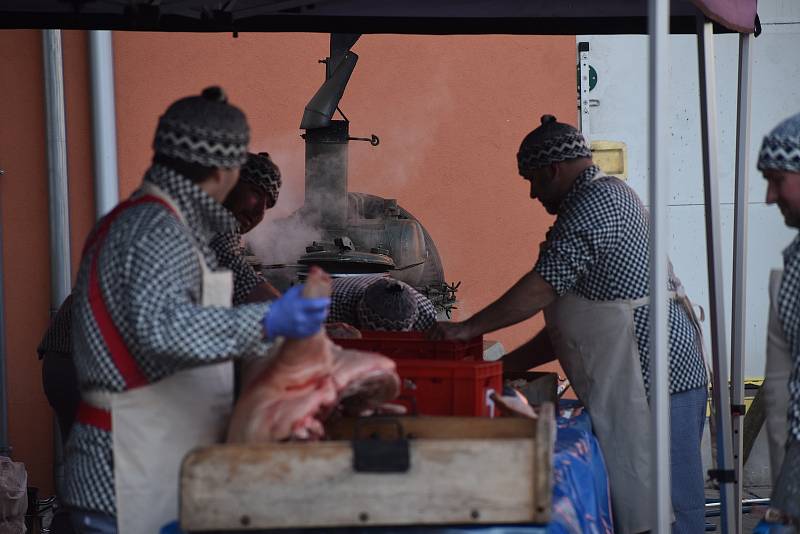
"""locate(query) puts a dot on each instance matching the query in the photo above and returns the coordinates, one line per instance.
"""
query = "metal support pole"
(584, 87)
(56, 168)
(104, 124)
(56, 127)
(5, 446)
(724, 473)
(738, 324)
(659, 234)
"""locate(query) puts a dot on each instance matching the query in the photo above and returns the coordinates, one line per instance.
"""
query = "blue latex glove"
(766, 527)
(295, 316)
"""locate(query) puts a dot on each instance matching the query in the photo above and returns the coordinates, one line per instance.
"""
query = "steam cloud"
(282, 237)
(284, 233)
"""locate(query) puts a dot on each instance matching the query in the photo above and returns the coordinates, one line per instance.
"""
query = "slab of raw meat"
(280, 402)
(342, 331)
(515, 405)
(364, 380)
(288, 395)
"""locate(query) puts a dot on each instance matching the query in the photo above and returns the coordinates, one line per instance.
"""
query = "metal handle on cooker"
(373, 139)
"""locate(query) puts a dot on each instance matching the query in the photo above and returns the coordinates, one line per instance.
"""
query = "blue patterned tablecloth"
(581, 502)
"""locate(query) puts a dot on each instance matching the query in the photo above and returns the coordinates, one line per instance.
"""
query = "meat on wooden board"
(304, 380)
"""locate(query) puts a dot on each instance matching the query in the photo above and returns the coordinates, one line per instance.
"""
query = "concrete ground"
(757, 482)
(750, 516)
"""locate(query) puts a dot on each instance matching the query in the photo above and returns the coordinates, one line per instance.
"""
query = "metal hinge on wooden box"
(377, 471)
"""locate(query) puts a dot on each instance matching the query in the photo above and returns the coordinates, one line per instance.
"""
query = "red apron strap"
(92, 416)
(123, 360)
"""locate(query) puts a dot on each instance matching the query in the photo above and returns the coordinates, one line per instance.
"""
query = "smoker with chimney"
(360, 233)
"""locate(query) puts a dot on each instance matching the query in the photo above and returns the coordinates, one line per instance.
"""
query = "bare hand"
(448, 331)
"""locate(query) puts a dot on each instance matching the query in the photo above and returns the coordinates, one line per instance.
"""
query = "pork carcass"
(303, 381)
(280, 402)
(364, 380)
(342, 331)
(514, 404)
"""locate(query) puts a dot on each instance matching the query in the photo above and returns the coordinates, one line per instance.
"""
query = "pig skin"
(281, 401)
(303, 382)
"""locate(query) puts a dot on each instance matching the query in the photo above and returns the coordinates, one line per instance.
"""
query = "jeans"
(90, 522)
(687, 412)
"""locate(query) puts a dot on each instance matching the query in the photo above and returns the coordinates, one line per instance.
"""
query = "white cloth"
(154, 426)
(596, 346)
(776, 380)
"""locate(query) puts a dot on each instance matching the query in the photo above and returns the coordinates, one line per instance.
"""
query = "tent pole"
(738, 324)
(723, 472)
(658, 21)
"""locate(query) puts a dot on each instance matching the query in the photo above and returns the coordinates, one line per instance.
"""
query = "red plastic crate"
(399, 345)
(448, 387)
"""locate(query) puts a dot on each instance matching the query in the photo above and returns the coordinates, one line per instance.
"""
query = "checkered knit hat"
(781, 147)
(205, 130)
(387, 305)
(261, 171)
(551, 142)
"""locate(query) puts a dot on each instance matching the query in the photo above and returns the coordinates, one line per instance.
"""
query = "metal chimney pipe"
(326, 172)
(104, 124)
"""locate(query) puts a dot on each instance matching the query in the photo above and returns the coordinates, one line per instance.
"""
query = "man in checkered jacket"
(257, 191)
(597, 253)
(779, 161)
(138, 316)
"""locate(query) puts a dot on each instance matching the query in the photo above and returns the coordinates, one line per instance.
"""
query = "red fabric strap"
(123, 360)
(92, 416)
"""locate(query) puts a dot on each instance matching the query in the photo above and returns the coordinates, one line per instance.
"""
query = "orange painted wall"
(24, 204)
(450, 112)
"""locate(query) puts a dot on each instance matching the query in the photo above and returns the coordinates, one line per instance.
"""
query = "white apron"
(776, 379)
(155, 425)
(596, 346)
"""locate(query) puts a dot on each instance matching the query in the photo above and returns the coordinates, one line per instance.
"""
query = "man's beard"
(791, 219)
(790, 216)
(551, 207)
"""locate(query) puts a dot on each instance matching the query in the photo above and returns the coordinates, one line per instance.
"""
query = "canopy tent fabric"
(541, 17)
(737, 15)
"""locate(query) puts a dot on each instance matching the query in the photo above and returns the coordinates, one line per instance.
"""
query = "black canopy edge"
(349, 24)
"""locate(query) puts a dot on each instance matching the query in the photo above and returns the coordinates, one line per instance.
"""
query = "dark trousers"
(60, 383)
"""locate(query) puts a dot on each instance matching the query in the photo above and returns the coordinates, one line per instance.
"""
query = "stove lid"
(349, 260)
(341, 256)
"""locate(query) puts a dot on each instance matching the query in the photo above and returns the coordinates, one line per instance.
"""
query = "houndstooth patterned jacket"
(151, 282)
(230, 252)
(230, 255)
(598, 248)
